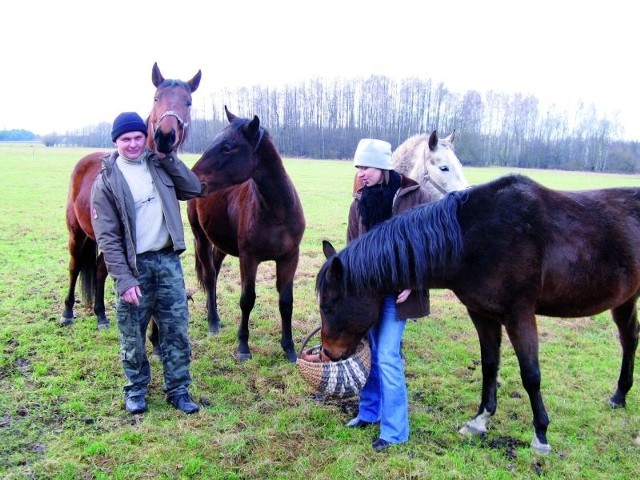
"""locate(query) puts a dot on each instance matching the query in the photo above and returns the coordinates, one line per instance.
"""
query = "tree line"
(325, 119)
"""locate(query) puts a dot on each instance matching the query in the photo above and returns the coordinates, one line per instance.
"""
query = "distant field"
(61, 410)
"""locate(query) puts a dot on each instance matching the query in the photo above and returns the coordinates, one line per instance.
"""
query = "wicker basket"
(341, 379)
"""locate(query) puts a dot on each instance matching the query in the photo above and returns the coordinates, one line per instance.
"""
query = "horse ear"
(195, 81)
(156, 76)
(230, 116)
(336, 269)
(253, 130)
(452, 138)
(433, 141)
(328, 249)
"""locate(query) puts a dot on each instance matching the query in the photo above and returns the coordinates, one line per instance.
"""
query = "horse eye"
(155, 99)
(188, 104)
(444, 169)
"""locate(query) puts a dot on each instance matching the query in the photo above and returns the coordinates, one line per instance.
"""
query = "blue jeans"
(164, 296)
(384, 396)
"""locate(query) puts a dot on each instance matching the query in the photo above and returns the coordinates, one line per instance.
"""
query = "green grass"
(61, 412)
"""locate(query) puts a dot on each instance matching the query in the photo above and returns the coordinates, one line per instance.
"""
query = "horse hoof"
(540, 448)
(103, 326)
(477, 426)
(291, 359)
(66, 321)
(470, 430)
(243, 357)
(616, 403)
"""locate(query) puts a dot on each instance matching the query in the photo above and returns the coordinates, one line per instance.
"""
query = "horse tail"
(88, 270)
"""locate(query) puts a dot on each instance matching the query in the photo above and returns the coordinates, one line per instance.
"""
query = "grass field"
(61, 412)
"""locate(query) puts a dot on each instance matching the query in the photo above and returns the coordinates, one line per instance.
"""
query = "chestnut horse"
(258, 219)
(429, 160)
(167, 129)
(508, 249)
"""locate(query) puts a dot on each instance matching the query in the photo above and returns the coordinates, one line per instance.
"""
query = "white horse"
(430, 161)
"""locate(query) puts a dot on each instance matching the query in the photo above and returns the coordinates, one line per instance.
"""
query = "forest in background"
(325, 119)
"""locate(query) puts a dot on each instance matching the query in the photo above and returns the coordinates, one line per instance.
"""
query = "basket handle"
(307, 338)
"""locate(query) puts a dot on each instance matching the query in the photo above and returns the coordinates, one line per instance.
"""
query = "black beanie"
(127, 122)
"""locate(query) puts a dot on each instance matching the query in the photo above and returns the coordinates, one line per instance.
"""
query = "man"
(136, 218)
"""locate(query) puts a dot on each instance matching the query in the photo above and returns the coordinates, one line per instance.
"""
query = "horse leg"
(626, 318)
(490, 336)
(523, 334)
(98, 304)
(217, 256)
(68, 314)
(208, 262)
(285, 271)
(75, 252)
(248, 269)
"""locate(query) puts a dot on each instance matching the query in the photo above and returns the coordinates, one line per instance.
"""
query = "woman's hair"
(385, 176)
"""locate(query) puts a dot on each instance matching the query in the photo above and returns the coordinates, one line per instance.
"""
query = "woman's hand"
(403, 295)
(310, 357)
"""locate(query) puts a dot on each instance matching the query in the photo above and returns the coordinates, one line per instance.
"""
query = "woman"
(385, 193)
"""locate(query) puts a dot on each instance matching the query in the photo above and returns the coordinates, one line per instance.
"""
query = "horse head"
(233, 155)
(436, 166)
(345, 316)
(169, 119)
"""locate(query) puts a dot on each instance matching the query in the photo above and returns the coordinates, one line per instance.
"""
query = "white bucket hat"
(373, 153)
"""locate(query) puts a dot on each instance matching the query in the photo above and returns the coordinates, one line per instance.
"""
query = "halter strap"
(181, 123)
(260, 135)
(427, 178)
(171, 113)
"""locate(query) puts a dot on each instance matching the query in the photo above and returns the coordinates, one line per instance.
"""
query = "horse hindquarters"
(626, 318)
(86, 264)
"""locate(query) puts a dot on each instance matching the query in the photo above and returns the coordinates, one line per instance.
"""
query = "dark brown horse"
(167, 129)
(508, 249)
(258, 219)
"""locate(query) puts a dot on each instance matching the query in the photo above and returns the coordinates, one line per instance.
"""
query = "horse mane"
(403, 158)
(405, 250)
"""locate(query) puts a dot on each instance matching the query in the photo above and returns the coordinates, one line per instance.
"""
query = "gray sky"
(69, 63)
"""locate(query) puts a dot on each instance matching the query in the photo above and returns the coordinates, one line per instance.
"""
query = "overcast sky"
(66, 64)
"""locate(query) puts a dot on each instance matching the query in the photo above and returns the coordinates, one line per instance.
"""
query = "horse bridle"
(427, 179)
(260, 135)
(181, 123)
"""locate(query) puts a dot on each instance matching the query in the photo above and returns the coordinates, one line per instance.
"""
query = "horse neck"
(272, 181)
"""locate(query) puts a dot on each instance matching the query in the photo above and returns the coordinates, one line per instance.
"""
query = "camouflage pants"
(164, 296)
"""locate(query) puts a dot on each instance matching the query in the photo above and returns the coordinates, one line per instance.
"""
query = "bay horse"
(429, 160)
(259, 218)
(508, 249)
(167, 126)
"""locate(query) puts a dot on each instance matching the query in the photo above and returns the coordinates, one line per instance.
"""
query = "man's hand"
(132, 295)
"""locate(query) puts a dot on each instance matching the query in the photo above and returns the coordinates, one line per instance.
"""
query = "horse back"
(568, 253)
